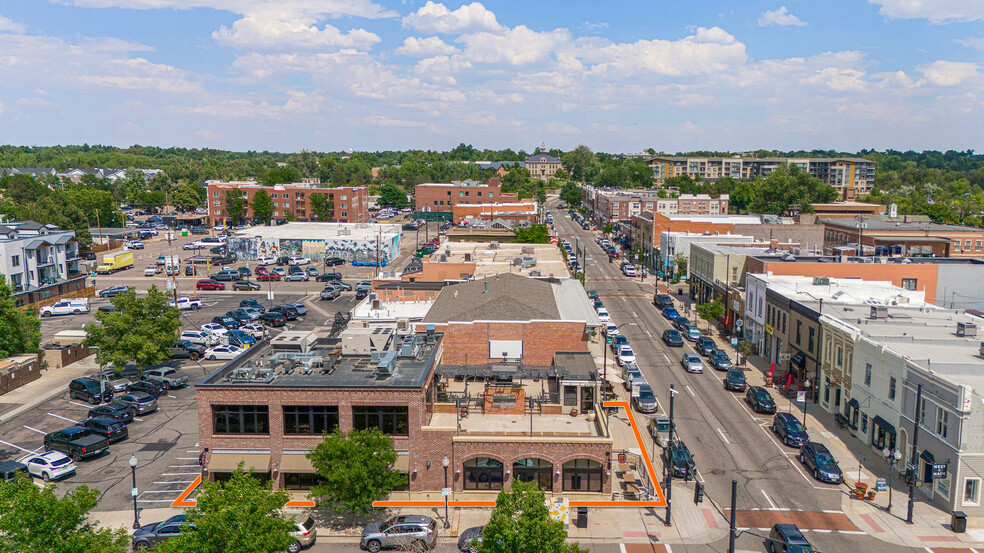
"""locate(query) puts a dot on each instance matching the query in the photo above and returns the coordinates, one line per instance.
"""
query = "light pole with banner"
(892, 457)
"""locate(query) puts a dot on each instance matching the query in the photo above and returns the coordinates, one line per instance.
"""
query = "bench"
(842, 420)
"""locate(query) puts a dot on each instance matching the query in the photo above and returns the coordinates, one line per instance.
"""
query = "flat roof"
(322, 231)
(805, 289)
(874, 225)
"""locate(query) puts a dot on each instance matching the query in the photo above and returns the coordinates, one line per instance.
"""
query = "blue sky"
(371, 75)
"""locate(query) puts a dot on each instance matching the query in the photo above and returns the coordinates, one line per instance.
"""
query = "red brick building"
(350, 204)
(441, 197)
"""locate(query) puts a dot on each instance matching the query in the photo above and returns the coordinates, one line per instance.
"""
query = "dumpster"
(582, 517)
(958, 522)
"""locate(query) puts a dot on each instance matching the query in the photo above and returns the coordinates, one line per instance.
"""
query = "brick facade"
(351, 204)
(443, 197)
(468, 343)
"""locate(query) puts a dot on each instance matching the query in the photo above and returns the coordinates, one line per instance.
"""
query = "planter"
(859, 490)
(573, 412)
(591, 415)
(871, 495)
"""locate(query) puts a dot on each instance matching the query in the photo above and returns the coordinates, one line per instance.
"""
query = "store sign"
(939, 470)
(769, 329)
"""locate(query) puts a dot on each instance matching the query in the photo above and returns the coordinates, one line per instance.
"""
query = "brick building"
(905, 237)
(350, 204)
(442, 197)
(514, 212)
(621, 205)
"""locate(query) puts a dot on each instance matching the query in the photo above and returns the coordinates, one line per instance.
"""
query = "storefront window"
(582, 475)
(534, 470)
(483, 473)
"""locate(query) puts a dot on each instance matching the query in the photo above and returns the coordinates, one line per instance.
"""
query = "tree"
(235, 206)
(578, 160)
(35, 519)
(357, 469)
(237, 516)
(186, 196)
(562, 174)
(710, 311)
(521, 523)
(533, 234)
(280, 175)
(571, 194)
(141, 330)
(393, 196)
(322, 208)
(20, 331)
(262, 206)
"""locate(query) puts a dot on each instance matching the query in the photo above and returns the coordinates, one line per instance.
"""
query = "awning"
(884, 425)
(297, 463)
(799, 359)
(402, 463)
(854, 403)
(227, 462)
(614, 378)
(927, 456)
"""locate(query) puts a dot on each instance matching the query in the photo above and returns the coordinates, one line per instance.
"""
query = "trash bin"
(958, 522)
(582, 517)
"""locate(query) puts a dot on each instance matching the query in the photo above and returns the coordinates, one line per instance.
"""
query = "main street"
(728, 441)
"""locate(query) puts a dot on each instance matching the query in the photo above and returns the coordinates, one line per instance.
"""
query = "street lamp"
(133, 492)
(892, 457)
(445, 462)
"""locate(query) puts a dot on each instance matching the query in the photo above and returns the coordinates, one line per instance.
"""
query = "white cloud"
(1, 107)
(384, 121)
(207, 134)
(689, 127)
(129, 126)
(437, 18)
(287, 8)
(517, 46)
(705, 52)
(973, 42)
(780, 17)
(423, 47)
(35, 103)
(9, 26)
(949, 73)
(936, 11)
(261, 33)
(558, 127)
(838, 79)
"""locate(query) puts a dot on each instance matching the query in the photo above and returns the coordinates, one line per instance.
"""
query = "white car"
(298, 260)
(626, 355)
(199, 337)
(264, 261)
(611, 330)
(604, 317)
(152, 270)
(51, 465)
(215, 329)
(253, 329)
(223, 352)
(184, 304)
(629, 271)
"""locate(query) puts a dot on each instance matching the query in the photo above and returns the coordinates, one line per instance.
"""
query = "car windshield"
(646, 394)
(825, 460)
(672, 334)
(662, 427)
(763, 396)
(795, 426)
(60, 462)
(681, 455)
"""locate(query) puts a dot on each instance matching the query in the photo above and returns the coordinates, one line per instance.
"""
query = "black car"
(760, 400)
(361, 294)
(680, 461)
(190, 270)
(111, 429)
(273, 318)
(288, 311)
(226, 321)
(672, 338)
(788, 428)
(113, 411)
(244, 272)
(226, 276)
(705, 345)
(820, 463)
(89, 390)
(735, 380)
(253, 304)
(240, 316)
(149, 535)
(662, 300)
(787, 538)
(681, 323)
(113, 291)
(333, 261)
(245, 285)
(156, 389)
(329, 276)
(89, 256)
(469, 539)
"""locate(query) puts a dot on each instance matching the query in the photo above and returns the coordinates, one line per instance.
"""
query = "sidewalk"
(51, 383)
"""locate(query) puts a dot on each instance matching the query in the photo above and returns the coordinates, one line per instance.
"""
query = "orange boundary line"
(183, 501)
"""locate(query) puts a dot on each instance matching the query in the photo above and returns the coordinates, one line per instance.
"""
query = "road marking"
(172, 397)
(722, 437)
(187, 458)
(162, 491)
(650, 334)
(860, 533)
(17, 446)
(154, 501)
(191, 450)
(834, 511)
(62, 418)
(667, 547)
(175, 482)
(82, 405)
(180, 474)
(667, 358)
(621, 547)
(138, 420)
(182, 466)
(769, 499)
(35, 429)
(691, 390)
(820, 531)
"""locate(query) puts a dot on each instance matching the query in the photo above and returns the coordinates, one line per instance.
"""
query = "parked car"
(603, 316)
(300, 307)
(297, 277)
(617, 341)
(334, 261)
(690, 333)
(659, 430)
(469, 539)
(631, 374)
(662, 300)
(209, 284)
(167, 376)
(330, 293)
(252, 303)
(225, 276)
(149, 535)
(191, 270)
(48, 466)
(735, 380)
(705, 345)
(153, 388)
(400, 532)
(679, 460)
(240, 338)
(89, 390)
(820, 463)
(691, 363)
(245, 285)
(625, 354)
(280, 271)
(113, 411)
(185, 304)
(140, 402)
(681, 324)
(305, 533)
(645, 402)
(328, 277)
(115, 381)
(244, 272)
(787, 538)
(226, 321)
(288, 311)
(789, 429)
(361, 294)
(240, 315)
(264, 261)
(199, 337)
(255, 329)
(670, 313)
(223, 352)
(77, 442)
(112, 291)
(111, 429)
(273, 318)
(298, 260)
(152, 270)
(672, 338)
(312, 272)
(760, 400)
(719, 360)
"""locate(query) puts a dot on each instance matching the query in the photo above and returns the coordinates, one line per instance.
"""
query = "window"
(215, 194)
(864, 423)
(972, 491)
(274, 195)
(977, 245)
(344, 197)
(922, 412)
(799, 328)
(966, 244)
(534, 470)
(891, 388)
(783, 323)
(392, 420)
(867, 374)
(582, 475)
(301, 481)
(909, 283)
(840, 357)
(15, 260)
(482, 473)
(812, 339)
(942, 417)
(240, 419)
(310, 419)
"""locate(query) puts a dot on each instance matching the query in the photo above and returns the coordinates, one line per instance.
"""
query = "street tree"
(34, 518)
(20, 331)
(235, 206)
(577, 160)
(392, 195)
(571, 194)
(710, 311)
(186, 196)
(322, 207)
(521, 523)
(141, 330)
(236, 516)
(356, 469)
(262, 206)
(533, 234)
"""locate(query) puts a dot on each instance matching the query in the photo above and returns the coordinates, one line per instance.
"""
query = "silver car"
(692, 363)
(400, 532)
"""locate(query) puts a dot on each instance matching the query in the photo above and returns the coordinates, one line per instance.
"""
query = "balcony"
(45, 261)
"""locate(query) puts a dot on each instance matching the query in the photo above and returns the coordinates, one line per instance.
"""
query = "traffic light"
(698, 493)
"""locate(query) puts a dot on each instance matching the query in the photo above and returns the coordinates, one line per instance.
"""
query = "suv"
(401, 532)
(787, 538)
(659, 430)
(819, 462)
(305, 534)
(789, 429)
(662, 300)
(154, 533)
(645, 402)
(760, 400)
(678, 458)
(90, 390)
(288, 311)
(735, 380)
(705, 345)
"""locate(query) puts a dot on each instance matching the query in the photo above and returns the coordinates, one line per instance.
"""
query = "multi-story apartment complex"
(349, 204)
(435, 197)
(611, 206)
(39, 261)
(850, 176)
(543, 166)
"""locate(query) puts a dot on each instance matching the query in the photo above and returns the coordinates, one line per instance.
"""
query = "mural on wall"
(363, 252)
(244, 248)
(313, 249)
(267, 247)
(290, 247)
(356, 251)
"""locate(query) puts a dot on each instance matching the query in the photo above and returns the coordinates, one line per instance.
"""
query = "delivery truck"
(115, 262)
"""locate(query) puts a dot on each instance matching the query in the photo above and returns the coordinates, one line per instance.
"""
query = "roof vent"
(386, 362)
(821, 281)
(879, 312)
(966, 329)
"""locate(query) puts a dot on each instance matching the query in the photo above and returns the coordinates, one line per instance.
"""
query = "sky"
(623, 76)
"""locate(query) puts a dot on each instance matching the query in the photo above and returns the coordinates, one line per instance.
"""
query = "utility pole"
(668, 469)
(860, 220)
(733, 533)
(915, 457)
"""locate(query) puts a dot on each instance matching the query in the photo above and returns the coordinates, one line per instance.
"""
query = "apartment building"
(434, 197)
(349, 204)
(39, 261)
(612, 206)
(851, 177)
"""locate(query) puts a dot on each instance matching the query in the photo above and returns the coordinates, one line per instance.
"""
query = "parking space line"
(62, 418)
(179, 474)
(182, 466)
(175, 482)
(138, 420)
(17, 446)
(769, 499)
(35, 429)
(82, 405)
(172, 397)
(187, 458)
(162, 491)
(155, 501)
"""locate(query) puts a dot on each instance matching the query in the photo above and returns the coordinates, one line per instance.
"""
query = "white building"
(358, 243)
(672, 244)
(39, 261)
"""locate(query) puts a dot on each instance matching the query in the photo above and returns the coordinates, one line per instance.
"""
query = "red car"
(268, 276)
(209, 284)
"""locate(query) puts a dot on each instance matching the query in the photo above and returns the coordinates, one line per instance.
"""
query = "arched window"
(582, 475)
(483, 473)
(534, 470)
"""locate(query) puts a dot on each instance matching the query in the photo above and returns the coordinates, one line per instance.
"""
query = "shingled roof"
(509, 297)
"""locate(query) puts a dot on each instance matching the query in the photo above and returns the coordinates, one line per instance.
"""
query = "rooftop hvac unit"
(410, 347)
(879, 312)
(386, 362)
(821, 281)
(376, 304)
(493, 245)
(402, 325)
(966, 329)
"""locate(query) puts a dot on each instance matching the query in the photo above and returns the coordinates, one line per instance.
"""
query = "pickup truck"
(66, 307)
(77, 442)
(184, 304)
(169, 377)
(184, 349)
(330, 293)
